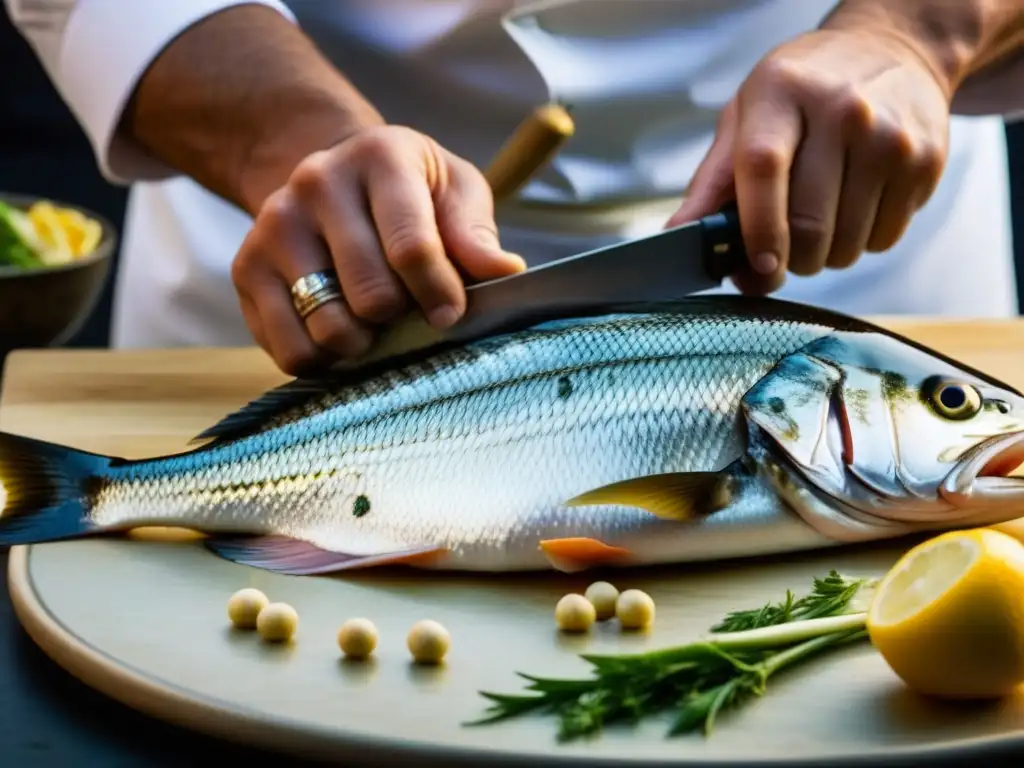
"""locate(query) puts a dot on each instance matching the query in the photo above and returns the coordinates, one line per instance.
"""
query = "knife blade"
(671, 264)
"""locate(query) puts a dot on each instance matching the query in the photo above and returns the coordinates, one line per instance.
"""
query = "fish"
(708, 428)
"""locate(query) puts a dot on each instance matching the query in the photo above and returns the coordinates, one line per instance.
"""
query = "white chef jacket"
(645, 78)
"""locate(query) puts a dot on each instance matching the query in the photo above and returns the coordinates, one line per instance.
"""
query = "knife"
(671, 264)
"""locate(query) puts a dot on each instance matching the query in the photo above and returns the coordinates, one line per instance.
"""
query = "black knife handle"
(724, 252)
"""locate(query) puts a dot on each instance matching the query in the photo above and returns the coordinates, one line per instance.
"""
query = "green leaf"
(829, 596)
(549, 685)
(697, 681)
(18, 242)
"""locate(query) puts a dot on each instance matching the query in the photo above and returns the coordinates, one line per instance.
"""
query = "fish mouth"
(983, 474)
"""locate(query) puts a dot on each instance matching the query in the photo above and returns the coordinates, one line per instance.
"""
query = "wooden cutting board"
(144, 622)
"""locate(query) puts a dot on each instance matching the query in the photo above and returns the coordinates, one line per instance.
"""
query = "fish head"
(880, 434)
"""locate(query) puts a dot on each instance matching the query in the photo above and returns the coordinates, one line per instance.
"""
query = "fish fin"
(45, 490)
(302, 558)
(164, 533)
(793, 404)
(251, 417)
(579, 554)
(672, 496)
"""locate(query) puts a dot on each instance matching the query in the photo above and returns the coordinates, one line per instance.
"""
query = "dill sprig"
(693, 683)
(830, 596)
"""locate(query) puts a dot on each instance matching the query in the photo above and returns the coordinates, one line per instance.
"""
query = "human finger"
(282, 248)
(768, 134)
(915, 170)
(869, 165)
(372, 291)
(816, 181)
(251, 315)
(402, 205)
(465, 220)
(287, 339)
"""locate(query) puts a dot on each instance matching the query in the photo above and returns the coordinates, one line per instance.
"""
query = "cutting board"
(145, 622)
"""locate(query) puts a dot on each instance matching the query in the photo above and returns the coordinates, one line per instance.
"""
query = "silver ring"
(312, 291)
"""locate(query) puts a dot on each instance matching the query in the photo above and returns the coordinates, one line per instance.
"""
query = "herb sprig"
(697, 681)
(829, 596)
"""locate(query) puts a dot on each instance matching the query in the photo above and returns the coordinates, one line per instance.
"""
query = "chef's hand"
(828, 148)
(399, 218)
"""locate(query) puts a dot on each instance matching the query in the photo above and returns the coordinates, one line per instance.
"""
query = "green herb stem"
(698, 680)
(764, 638)
(787, 634)
(701, 710)
(808, 648)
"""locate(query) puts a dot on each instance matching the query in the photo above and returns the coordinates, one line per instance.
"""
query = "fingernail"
(443, 316)
(520, 262)
(765, 263)
(681, 215)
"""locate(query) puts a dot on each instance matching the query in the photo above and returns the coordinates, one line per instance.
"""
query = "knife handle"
(724, 252)
(532, 144)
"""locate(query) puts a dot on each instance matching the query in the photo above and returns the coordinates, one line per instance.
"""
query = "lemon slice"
(50, 230)
(949, 617)
(83, 233)
(91, 235)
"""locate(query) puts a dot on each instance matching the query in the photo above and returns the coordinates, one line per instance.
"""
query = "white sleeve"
(95, 51)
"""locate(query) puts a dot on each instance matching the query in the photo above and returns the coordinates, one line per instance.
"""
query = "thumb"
(465, 220)
(712, 185)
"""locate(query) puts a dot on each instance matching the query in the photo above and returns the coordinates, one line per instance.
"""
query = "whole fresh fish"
(708, 428)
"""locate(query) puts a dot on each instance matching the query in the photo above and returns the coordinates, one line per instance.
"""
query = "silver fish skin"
(706, 429)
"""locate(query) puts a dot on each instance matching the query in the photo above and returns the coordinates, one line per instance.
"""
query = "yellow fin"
(580, 553)
(672, 496)
(164, 533)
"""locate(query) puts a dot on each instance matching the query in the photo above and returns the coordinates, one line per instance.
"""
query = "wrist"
(945, 36)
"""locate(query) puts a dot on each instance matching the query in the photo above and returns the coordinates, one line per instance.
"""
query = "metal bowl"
(46, 306)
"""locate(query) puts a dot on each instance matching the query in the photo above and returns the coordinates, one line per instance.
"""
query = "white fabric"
(645, 78)
(95, 51)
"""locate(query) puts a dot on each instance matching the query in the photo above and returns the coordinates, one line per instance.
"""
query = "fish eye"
(953, 400)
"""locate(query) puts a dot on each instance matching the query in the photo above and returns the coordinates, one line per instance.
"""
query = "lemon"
(83, 234)
(51, 233)
(63, 233)
(949, 617)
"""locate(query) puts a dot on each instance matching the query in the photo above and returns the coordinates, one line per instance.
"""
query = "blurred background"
(43, 152)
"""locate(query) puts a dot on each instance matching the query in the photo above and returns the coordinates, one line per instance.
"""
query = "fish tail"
(45, 490)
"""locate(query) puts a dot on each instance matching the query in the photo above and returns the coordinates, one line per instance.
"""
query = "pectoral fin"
(671, 496)
(301, 558)
(579, 554)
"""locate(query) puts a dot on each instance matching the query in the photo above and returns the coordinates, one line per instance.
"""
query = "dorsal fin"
(248, 419)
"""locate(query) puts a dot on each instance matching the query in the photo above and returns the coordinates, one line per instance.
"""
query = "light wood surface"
(145, 622)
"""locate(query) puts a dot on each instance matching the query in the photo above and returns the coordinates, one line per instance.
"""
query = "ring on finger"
(312, 291)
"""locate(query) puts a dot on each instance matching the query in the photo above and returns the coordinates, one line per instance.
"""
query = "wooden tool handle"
(534, 142)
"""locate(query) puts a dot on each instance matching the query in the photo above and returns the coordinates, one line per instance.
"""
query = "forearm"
(961, 40)
(238, 99)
